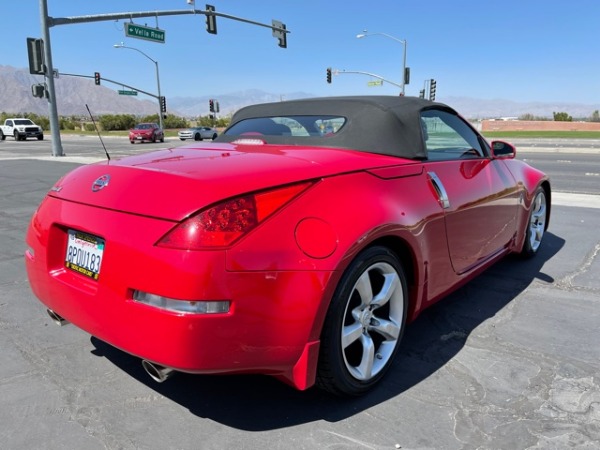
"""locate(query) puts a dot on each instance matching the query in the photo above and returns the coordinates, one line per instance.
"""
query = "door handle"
(441, 191)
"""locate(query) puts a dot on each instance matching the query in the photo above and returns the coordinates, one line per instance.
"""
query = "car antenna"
(97, 131)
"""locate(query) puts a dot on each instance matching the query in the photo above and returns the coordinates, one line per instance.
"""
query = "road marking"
(530, 149)
(576, 200)
(68, 159)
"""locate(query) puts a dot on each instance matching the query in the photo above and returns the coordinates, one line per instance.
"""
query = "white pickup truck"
(21, 129)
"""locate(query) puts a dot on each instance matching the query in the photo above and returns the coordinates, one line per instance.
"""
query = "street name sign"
(147, 33)
(128, 92)
(375, 83)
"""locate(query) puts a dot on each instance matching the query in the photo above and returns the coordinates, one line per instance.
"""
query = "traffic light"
(217, 107)
(38, 90)
(422, 93)
(432, 86)
(280, 34)
(407, 75)
(329, 74)
(35, 52)
(97, 78)
(211, 20)
(163, 103)
(211, 105)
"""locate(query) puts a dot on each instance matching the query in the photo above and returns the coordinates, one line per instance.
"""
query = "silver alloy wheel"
(537, 221)
(372, 321)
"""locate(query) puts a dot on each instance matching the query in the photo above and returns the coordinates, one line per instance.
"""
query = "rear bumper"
(269, 328)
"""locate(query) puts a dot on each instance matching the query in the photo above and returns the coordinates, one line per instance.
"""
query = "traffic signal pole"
(279, 31)
(117, 83)
(338, 72)
(57, 149)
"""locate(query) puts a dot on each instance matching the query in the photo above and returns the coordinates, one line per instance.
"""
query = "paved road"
(509, 361)
(558, 144)
(570, 172)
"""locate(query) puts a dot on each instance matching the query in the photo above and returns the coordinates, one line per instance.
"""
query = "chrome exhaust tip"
(60, 321)
(157, 373)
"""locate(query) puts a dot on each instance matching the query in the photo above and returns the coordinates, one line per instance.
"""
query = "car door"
(478, 193)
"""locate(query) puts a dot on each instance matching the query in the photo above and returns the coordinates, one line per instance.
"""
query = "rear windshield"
(288, 126)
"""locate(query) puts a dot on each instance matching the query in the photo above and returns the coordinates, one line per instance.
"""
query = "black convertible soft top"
(375, 124)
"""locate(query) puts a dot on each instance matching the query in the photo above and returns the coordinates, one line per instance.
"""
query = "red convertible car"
(298, 244)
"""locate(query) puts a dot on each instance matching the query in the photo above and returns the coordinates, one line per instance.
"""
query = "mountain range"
(74, 93)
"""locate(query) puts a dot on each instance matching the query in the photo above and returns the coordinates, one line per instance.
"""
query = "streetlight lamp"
(160, 117)
(365, 33)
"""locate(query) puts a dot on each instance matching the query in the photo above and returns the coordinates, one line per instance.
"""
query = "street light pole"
(160, 117)
(365, 33)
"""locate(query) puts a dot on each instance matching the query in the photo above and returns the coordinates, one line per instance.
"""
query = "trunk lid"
(174, 183)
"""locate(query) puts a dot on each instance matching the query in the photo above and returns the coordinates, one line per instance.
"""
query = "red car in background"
(146, 132)
(298, 244)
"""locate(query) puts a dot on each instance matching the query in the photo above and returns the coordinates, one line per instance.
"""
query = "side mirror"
(501, 149)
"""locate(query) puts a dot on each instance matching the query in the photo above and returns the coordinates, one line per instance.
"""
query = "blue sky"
(521, 50)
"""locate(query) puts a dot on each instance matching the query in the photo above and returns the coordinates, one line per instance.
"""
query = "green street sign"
(375, 83)
(127, 92)
(147, 33)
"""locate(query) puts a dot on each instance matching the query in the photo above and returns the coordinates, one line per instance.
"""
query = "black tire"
(17, 136)
(2, 136)
(133, 142)
(40, 137)
(214, 136)
(364, 324)
(536, 224)
(181, 139)
(197, 137)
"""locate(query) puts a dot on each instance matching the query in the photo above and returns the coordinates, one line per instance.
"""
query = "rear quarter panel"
(359, 210)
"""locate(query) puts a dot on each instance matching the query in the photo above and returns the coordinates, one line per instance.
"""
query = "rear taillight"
(222, 224)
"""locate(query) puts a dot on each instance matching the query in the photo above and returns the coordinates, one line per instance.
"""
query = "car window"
(447, 136)
(288, 126)
(23, 122)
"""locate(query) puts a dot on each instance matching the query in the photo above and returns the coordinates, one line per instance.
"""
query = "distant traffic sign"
(147, 33)
(128, 93)
(375, 83)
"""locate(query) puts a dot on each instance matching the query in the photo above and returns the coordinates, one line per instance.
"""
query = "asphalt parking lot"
(510, 361)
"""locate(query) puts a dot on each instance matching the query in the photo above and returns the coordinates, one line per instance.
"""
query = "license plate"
(84, 253)
(140, 137)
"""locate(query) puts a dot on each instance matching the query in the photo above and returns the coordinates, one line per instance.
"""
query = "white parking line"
(577, 200)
